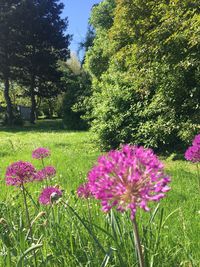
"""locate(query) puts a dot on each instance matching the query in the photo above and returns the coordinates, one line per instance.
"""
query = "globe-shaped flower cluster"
(126, 179)
(20, 172)
(41, 153)
(193, 152)
(49, 195)
(46, 173)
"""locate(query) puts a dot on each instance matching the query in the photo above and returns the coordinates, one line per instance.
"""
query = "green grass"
(171, 238)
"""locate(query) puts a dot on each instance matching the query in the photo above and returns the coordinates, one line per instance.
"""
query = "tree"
(97, 58)
(77, 88)
(144, 65)
(46, 44)
(10, 47)
(74, 64)
(87, 42)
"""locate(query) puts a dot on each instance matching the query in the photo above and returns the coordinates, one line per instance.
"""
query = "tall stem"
(28, 220)
(138, 244)
(29, 195)
(89, 211)
(198, 176)
(46, 178)
(42, 162)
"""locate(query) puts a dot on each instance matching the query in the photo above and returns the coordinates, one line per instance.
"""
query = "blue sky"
(78, 12)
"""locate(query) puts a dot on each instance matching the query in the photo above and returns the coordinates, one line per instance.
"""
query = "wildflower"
(41, 153)
(193, 152)
(196, 141)
(50, 195)
(20, 172)
(127, 179)
(83, 191)
(46, 173)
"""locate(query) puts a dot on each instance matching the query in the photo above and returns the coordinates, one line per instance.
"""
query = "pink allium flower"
(19, 173)
(196, 141)
(83, 191)
(127, 179)
(49, 195)
(41, 153)
(46, 173)
(193, 152)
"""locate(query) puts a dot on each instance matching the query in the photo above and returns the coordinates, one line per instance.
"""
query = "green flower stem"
(138, 244)
(198, 174)
(29, 195)
(43, 165)
(89, 212)
(28, 220)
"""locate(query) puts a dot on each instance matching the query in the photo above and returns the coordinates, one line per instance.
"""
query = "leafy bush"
(145, 73)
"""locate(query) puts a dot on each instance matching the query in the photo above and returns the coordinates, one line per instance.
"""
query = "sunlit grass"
(171, 238)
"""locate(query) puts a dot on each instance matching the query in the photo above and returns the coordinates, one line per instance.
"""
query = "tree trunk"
(50, 109)
(9, 110)
(33, 102)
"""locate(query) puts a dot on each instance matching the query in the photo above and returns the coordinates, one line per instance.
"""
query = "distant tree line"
(144, 66)
(33, 41)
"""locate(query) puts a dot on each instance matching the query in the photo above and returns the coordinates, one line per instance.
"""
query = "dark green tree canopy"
(33, 41)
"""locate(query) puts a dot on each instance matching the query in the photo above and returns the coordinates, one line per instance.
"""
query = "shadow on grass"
(173, 155)
(47, 125)
(4, 154)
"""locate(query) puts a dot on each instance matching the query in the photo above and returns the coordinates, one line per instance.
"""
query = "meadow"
(83, 235)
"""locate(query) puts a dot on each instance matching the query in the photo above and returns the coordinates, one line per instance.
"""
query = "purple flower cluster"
(50, 195)
(193, 152)
(41, 153)
(46, 173)
(20, 172)
(127, 179)
(83, 191)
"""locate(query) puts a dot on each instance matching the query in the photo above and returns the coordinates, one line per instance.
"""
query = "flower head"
(193, 152)
(127, 179)
(41, 153)
(50, 195)
(20, 172)
(46, 173)
(196, 141)
(83, 191)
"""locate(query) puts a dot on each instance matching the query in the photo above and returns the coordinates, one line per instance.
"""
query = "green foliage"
(87, 41)
(77, 86)
(144, 65)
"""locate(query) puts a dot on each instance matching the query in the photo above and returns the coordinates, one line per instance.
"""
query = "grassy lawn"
(171, 237)
(72, 152)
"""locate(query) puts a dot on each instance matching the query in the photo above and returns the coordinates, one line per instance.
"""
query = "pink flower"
(49, 195)
(127, 179)
(46, 173)
(83, 191)
(196, 141)
(19, 173)
(193, 152)
(41, 153)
